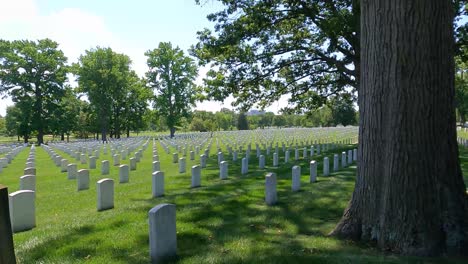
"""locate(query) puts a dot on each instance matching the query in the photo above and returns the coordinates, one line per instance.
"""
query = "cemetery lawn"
(224, 221)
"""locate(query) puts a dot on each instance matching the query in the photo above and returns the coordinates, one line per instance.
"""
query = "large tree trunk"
(409, 196)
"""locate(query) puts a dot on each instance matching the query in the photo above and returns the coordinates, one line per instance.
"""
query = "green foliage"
(13, 121)
(33, 74)
(279, 121)
(65, 116)
(105, 77)
(261, 50)
(223, 120)
(2, 125)
(135, 104)
(461, 85)
(342, 110)
(171, 74)
(242, 123)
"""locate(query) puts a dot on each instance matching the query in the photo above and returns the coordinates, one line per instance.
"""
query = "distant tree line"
(110, 100)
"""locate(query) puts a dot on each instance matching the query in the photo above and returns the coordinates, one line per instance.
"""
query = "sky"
(129, 27)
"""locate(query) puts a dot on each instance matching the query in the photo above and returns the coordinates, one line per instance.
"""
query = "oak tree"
(171, 74)
(33, 74)
(409, 195)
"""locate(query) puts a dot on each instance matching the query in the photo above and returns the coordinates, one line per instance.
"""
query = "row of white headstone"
(162, 218)
(22, 202)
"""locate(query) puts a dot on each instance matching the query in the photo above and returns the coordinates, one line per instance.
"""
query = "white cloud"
(77, 30)
(74, 29)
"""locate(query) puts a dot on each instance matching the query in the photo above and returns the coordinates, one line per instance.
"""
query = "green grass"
(221, 222)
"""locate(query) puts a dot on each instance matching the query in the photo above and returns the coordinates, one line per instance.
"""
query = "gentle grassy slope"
(221, 222)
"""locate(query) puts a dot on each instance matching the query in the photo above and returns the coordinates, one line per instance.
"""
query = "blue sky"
(129, 27)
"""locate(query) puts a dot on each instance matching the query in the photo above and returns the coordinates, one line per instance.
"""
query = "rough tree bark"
(409, 196)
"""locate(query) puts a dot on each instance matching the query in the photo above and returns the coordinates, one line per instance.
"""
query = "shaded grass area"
(224, 221)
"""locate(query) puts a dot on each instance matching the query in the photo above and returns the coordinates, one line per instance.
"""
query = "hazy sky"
(129, 27)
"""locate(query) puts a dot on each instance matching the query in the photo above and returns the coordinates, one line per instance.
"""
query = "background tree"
(223, 120)
(409, 195)
(461, 87)
(264, 49)
(65, 116)
(103, 76)
(266, 119)
(261, 50)
(279, 121)
(242, 122)
(342, 110)
(2, 125)
(135, 104)
(18, 123)
(33, 72)
(171, 74)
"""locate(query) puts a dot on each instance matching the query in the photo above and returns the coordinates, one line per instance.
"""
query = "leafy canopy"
(33, 74)
(171, 74)
(104, 76)
(261, 50)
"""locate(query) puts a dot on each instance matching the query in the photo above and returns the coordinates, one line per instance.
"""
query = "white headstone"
(158, 183)
(350, 156)
(223, 170)
(104, 167)
(30, 171)
(105, 194)
(123, 173)
(22, 210)
(270, 189)
(82, 180)
(71, 171)
(245, 166)
(286, 156)
(63, 165)
(354, 154)
(261, 162)
(92, 162)
(116, 159)
(326, 166)
(133, 163)
(343, 159)
(296, 178)
(196, 176)
(313, 171)
(83, 158)
(162, 232)
(220, 157)
(335, 162)
(182, 165)
(203, 160)
(156, 166)
(175, 157)
(275, 159)
(28, 182)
